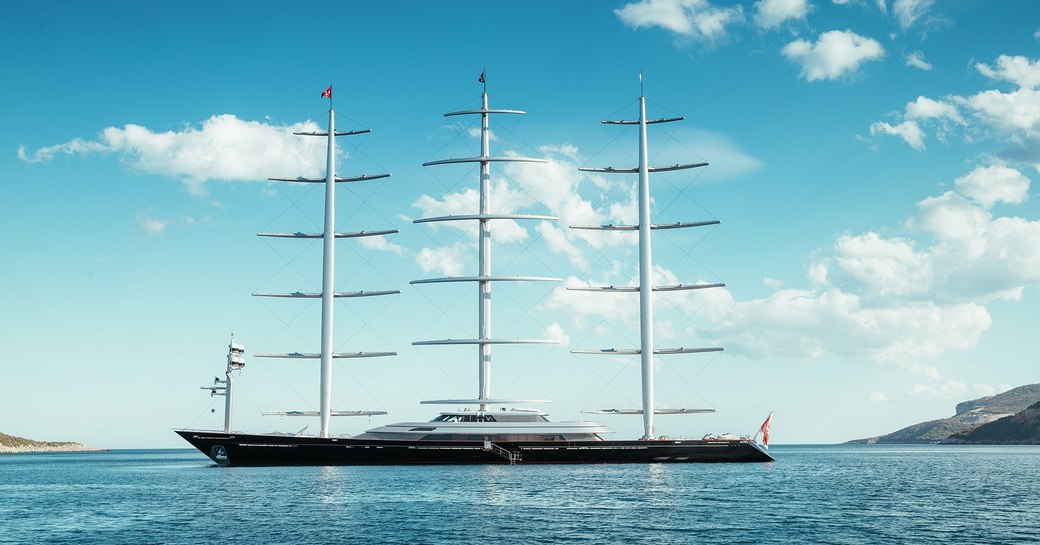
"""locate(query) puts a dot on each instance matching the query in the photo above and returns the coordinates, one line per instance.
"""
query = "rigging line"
(461, 128)
(366, 326)
(688, 254)
(287, 325)
(212, 402)
(610, 384)
(682, 386)
(288, 264)
(291, 386)
(523, 371)
(366, 264)
(293, 203)
(444, 311)
(681, 191)
(449, 374)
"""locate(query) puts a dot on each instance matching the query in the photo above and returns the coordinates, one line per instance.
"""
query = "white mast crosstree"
(484, 278)
(327, 294)
(646, 350)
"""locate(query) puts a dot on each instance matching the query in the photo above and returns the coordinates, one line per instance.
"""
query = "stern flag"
(481, 78)
(764, 430)
(327, 93)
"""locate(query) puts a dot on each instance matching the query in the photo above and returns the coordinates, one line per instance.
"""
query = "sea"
(843, 494)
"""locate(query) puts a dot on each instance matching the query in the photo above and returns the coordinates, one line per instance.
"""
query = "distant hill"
(1022, 428)
(970, 415)
(11, 444)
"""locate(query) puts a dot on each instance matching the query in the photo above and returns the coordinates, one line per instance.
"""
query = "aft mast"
(328, 295)
(484, 278)
(646, 350)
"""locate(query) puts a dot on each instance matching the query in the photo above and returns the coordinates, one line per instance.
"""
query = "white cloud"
(772, 13)
(696, 19)
(916, 60)
(1015, 69)
(898, 300)
(151, 226)
(835, 54)
(877, 397)
(1017, 112)
(953, 389)
(993, 184)
(908, 130)
(1013, 117)
(556, 332)
(926, 108)
(448, 259)
(908, 12)
(880, 267)
(222, 148)
(475, 133)
(381, 244)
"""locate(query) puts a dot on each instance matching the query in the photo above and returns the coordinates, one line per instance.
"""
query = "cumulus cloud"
(448, 260)
(897, 300)
(773, 13)
(916, 60)
(1010, 116)
(908, 130)
(990, 185)
(835, 54)
(381, 244)
(222, 148)
(694, 19)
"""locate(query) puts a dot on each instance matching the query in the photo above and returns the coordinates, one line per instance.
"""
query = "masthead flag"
(481, 78)
(327, 93)
(764, 430)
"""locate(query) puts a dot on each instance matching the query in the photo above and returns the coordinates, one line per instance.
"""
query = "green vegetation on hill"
(970, 415)
(1022, 428)
(13, 444)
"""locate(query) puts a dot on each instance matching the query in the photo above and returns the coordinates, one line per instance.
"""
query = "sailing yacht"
(487, 430)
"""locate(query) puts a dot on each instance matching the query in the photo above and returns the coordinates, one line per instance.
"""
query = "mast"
(484, 259)
(328, 293)
(484, 277)
(646, 288)
(328, 261)
(646, 301)
(226, 387)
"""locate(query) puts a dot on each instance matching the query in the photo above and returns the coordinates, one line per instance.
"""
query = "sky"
(871, 163)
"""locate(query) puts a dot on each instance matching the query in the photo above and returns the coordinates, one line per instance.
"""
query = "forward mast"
(328, 293)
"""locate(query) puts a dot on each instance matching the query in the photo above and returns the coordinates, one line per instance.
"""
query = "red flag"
(481, 79)
(764, 430)
(327, 93)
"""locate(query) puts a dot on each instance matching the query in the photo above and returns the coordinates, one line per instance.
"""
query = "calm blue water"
(812, 494)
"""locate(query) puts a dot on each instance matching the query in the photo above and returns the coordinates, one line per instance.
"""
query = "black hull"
(237, 449)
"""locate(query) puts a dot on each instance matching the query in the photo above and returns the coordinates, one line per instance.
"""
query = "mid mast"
(328, 293)
(484, 278)
(646, 350)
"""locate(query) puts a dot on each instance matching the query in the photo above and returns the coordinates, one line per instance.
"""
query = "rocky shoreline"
(10, 444)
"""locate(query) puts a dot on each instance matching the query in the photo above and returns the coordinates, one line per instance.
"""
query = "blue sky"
(871, 161)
